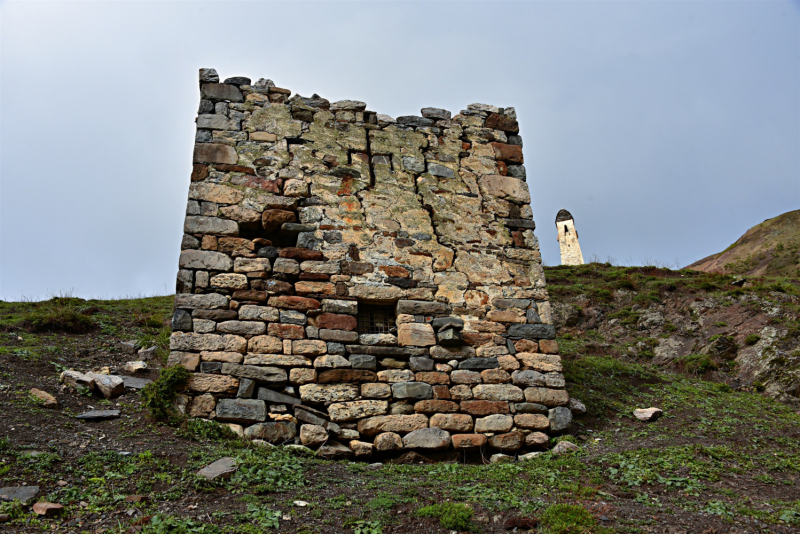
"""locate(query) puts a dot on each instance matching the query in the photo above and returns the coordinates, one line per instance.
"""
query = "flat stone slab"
(99, 415)
(222, 468)
(24, 493)
(135, 383)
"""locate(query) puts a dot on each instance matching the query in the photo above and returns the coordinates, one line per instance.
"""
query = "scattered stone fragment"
(133, 382)
(99, 415)
(109, 385)
(577, 407)
(222, 468)
(648, 414)
(134, 367)
(76, 380)
(22, 493)
(500, 458)
(48, 400)
(563, 447)
(47, 508)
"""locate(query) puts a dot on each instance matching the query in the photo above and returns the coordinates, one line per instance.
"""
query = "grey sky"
(666, 128)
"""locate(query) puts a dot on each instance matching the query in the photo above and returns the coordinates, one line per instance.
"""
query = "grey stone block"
(560, 419)
(363, 361)
(246, 388)
(412, 390)
(479, 363)
(532, 331)
(417, 363)
(242, 411)
(274, 397)
(181, 321)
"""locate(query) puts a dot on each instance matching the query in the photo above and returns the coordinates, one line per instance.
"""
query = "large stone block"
(275, 397)
(412, 390)
(349, 411)
(494, 423)
(274, 432)
(415, 334)
(215, 153)
(220, 91)
(498, 392)
(399, 424)
(266, 375)
(560, 419)
(427, 438)
(241, 411)
(203, 383)
(543, 363)
(534, 332)
(204, 259)
(453, 422)
(548, 397)
(329, 392)
(421, 307)
(210, 226)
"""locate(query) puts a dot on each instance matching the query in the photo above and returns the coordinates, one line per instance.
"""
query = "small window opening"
(566, 230)
(376, 319)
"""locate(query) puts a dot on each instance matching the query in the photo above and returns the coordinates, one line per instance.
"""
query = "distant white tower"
(568, 239)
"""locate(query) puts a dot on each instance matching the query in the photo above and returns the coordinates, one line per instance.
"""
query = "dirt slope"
(770, 248)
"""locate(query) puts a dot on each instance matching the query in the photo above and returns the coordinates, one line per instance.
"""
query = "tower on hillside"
(568, 239)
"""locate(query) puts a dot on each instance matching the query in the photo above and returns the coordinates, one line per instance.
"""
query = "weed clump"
(752, 339)
(452, 516)
(59, 315)
(698, 363)
(569, 519)
(158, 396)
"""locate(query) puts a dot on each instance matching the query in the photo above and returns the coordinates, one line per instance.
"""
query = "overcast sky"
(666, 128)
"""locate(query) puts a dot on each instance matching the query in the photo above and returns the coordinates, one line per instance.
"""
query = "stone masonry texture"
(368, 277)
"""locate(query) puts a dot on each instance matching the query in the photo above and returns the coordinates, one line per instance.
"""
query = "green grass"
(569, 519)
(452, 516)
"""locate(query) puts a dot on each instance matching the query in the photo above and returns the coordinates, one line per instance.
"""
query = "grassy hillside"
(724, 458)
(771, 248)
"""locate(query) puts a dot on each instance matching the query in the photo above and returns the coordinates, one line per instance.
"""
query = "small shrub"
(698, 363)
(158, 396)
(59, 315)
(752, 339)
(669, 327)
(197, 430)
(452, 516)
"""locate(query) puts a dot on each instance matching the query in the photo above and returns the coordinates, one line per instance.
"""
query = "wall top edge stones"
(349, 276)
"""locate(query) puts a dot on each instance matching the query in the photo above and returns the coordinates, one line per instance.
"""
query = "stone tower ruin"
(361, 284)
(568, 239)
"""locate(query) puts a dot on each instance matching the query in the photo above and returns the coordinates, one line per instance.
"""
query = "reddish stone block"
(511, 441)
(335, 321)
(526, 345)
(272, 220)
(433, 377)
(301, 304)
(435, 406)
(468, 441)
(508, 153)
(234, 168)
(548, 346)
(356, 268)
(199, 172)
(301, 254)
(250, 294)
(475, 339)
(502, 168)
(441, 392)
(483, 407)
(495, 121)
(314, 277)
(346, 375)
(286, 331)
(394, 270)
(518, 238)
(235, 245)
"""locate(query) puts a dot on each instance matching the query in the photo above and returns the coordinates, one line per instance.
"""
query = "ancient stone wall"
(360, 283)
